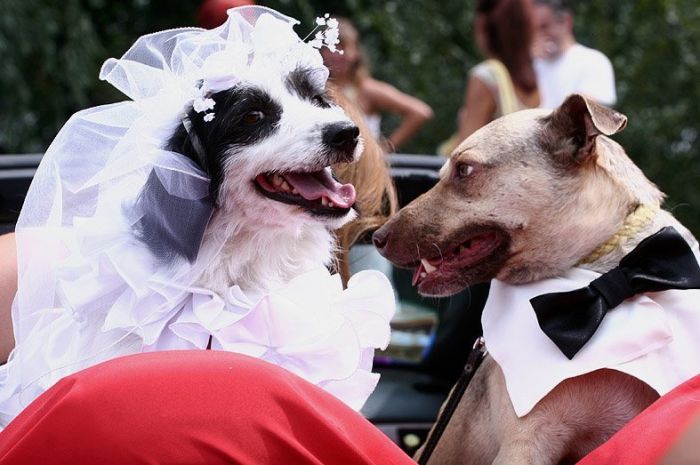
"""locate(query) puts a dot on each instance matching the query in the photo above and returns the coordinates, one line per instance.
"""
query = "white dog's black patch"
(244, 116)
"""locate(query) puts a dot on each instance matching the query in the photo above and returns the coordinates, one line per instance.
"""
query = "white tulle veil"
(90, 290)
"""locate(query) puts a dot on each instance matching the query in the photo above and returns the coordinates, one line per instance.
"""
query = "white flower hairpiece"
(329, 37)
(268, 40)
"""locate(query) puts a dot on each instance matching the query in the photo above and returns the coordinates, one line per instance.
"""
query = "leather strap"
(475, 358)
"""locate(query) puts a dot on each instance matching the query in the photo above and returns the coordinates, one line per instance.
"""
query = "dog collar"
(636, 221)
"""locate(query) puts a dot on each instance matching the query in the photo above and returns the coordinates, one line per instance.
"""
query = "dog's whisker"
(439, 251)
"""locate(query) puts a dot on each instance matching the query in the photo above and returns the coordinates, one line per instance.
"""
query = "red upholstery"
(211, 407)
(191, 407)
(647, 438)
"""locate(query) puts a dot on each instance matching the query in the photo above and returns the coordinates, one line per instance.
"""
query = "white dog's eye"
(464, 170)
(253, 117)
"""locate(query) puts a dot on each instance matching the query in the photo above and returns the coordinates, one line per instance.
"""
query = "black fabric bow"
(660, 262)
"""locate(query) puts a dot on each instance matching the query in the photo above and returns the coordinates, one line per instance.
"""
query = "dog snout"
(380, 238)
(343, 138)
(393, 244)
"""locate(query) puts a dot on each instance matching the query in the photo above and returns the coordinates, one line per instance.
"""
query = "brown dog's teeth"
(429, 268)
(418, 274)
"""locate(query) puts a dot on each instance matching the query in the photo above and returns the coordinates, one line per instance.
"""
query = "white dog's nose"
(341, 137)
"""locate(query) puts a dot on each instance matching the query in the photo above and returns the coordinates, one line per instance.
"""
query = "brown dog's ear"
(570, 131)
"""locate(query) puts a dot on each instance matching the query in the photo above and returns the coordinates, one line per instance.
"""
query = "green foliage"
(653, 45)
(51, 53)
(423, 47)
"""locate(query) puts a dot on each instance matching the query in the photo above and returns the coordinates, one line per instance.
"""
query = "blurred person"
(563, 65)
(505, 82)
(350, 74)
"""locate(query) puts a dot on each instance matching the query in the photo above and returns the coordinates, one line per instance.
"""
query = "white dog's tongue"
(313, 186)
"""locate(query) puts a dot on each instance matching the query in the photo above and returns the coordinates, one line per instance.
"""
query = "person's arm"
(383, 97)
(478, 109)
(8, 288)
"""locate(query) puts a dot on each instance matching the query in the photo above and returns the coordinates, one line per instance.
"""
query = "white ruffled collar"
(310, 326)
(111, 300)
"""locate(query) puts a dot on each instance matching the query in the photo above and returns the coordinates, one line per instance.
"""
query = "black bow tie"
(660, 262)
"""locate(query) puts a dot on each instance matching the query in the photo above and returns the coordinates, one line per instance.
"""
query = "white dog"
(199, 215)
(269, 153)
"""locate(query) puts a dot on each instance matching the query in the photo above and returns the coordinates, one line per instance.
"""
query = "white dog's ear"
(570, 131)
(171, 225)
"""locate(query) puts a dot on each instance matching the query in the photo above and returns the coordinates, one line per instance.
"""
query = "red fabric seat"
(191, 407)
(648, 437)
(211, 407)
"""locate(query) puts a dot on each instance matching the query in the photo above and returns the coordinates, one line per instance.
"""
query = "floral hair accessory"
(173, 71)
(275, 41)
(329, 37)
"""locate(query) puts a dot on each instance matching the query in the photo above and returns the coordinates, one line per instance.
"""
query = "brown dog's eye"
(253, 117)
(464, 170)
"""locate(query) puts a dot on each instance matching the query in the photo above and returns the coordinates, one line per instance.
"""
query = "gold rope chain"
(639, 219)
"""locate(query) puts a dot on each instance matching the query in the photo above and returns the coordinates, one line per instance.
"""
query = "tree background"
(51, 52)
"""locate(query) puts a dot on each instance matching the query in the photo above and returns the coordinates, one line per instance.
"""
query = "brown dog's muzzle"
(380, 238)
(449, 248)
(398, 240)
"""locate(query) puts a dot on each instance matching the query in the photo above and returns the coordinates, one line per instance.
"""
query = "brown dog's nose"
(380, 238)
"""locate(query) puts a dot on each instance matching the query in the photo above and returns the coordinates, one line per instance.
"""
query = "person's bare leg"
(8, 288)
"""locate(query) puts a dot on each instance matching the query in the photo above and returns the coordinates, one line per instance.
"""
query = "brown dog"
(525, 198)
